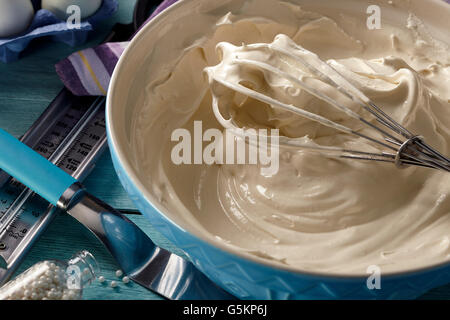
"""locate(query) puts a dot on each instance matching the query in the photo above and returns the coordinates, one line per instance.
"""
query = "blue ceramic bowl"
(243, 275)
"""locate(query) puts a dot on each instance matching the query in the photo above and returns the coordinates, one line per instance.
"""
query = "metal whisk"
(403, 147)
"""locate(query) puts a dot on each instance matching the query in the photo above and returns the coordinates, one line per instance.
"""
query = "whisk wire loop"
(408, 149)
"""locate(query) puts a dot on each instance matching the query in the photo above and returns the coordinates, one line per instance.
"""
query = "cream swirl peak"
(316, 213)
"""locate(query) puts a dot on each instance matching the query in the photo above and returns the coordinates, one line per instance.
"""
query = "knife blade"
(147, 264)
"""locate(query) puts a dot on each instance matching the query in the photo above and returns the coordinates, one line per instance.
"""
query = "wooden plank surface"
(26, 88)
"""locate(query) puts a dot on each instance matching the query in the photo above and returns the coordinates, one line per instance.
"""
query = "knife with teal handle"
(145, 263)
(33, 170)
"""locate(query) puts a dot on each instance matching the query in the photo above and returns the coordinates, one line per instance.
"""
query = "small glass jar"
(53, 279)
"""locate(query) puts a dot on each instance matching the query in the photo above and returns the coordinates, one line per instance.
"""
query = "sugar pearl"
(49, 273)
(126, 279)
(101, 279)
(43, 281)
(113, 284)
(119, 273)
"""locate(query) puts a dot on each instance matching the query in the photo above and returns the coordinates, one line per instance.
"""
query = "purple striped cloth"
(88, 72)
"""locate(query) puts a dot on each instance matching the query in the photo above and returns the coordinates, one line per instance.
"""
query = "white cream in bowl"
(315, 214)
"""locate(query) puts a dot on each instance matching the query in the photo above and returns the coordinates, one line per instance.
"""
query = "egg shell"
(15, 17)
(59, 7)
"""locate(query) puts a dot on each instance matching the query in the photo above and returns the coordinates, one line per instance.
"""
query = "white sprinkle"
(113, 284)
(119, 273)
(101, 279)
(44, 281)
(125, 279)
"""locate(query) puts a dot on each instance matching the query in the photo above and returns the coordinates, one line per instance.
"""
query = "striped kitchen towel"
(88, 72)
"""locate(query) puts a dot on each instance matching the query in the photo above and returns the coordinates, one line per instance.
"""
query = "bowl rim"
(118, 151)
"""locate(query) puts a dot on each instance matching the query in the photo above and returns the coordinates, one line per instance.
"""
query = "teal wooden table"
(26, 89)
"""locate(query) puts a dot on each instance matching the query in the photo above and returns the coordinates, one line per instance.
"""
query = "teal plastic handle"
(32, 169)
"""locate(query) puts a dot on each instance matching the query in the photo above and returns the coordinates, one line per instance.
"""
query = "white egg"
(59, 7)
(15, 17)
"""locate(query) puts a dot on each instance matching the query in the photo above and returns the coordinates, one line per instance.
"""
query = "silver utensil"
(144, 262)
(291, 62)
